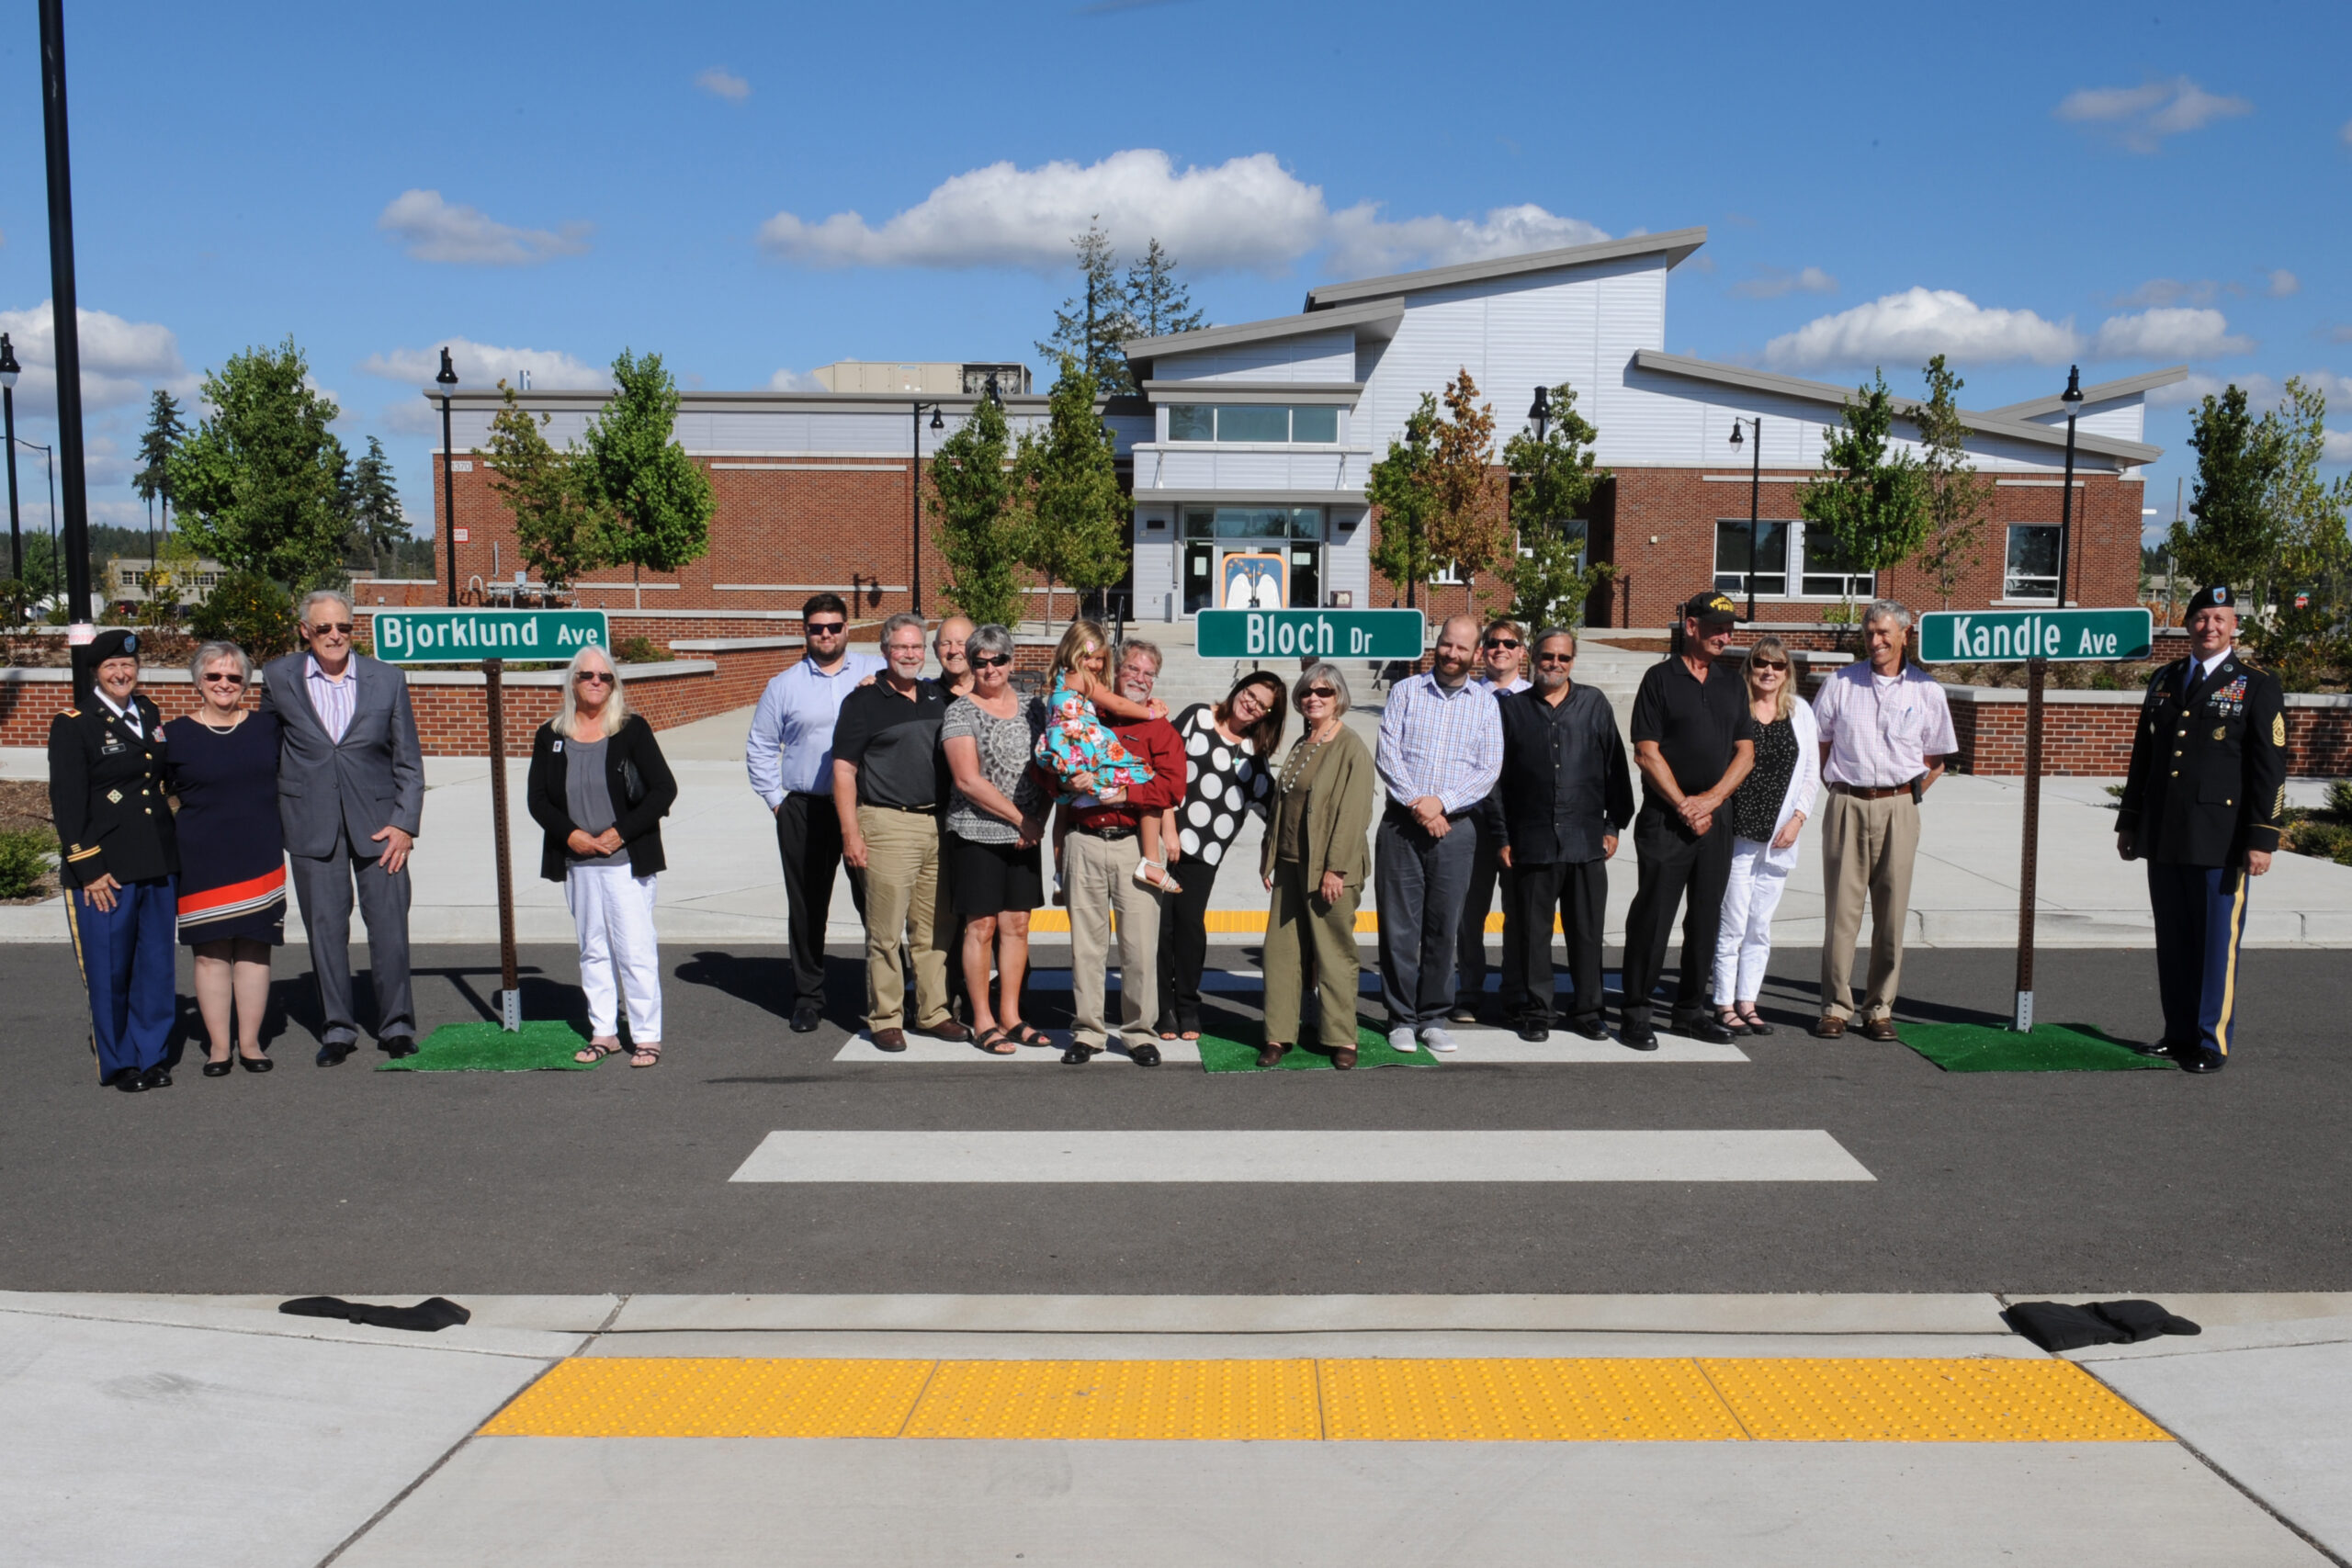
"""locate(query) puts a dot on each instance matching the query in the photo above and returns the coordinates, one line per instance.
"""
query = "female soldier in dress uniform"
(119, 857)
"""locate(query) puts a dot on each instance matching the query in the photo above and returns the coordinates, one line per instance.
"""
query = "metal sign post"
(510, 997)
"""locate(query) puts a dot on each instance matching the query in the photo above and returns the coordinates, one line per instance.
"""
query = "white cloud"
(1772, 282)
(121, 361)
(433, 230)
(480, 366)
(721, 83)
(2282, 283)
(2338, 446)
(2171, 291)
(1247, 214)
(1909, 328)
(2173, 332)
(795, 381)
(2141, 117)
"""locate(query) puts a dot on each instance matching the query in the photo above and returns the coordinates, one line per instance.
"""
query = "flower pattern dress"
(1226, 783)
(1080, 751)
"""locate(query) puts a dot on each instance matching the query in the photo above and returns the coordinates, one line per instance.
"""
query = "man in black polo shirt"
(1695, 740)
(888, 784)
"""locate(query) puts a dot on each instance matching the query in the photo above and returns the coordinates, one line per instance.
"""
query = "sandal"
(646, 1055)
(597, 1050)
(1731, 1019)
(996, 1043)
(1030, 1034)
(1152, 874)
(1754, 1020)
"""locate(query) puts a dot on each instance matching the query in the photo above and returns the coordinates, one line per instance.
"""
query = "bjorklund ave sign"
(2012, 636)
(1308, 634)
(455, 637)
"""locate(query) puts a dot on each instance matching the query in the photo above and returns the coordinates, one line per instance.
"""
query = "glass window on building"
(1252, 421)
(1828, 573)
(1315, 423)
(1772, 557)
(2033, 567)
(1262, 423)
(1192, 421)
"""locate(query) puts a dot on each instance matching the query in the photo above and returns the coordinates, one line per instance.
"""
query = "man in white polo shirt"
(1885, 732)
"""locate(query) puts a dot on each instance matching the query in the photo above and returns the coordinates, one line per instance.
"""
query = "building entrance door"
(1238, 557)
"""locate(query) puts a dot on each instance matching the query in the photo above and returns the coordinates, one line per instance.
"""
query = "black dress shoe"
(399, 1045)
(130, 1080)
(156, 1076)
(255, 1064)
(1710, 1030)
(219, 1069)
(1461, 1013)
(1535, 1032)
(2161, 1050)
(1271, 1056)
(1593, 1028)
(332, 1054)
(1077, 1055)
(1638, 1036)
(1144, 1055)
(2200, 1059)
(806, 1018)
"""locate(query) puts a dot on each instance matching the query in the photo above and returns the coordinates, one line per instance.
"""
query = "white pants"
(613, 910)
(1744, 936)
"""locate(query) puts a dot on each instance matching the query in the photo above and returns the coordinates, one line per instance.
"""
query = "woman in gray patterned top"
(995, 817)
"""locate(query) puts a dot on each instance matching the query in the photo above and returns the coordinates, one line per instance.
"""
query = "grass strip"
(1221, 1054)
(2049, 1048)
(542, 1045)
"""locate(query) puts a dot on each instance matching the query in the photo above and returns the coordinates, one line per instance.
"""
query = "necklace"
(222, 728)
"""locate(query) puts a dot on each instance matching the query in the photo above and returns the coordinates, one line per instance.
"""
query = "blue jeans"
(1420, 881)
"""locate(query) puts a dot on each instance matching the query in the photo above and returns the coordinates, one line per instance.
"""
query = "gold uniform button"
(2176, 772)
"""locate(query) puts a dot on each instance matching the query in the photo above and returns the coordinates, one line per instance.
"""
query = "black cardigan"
(640, 825)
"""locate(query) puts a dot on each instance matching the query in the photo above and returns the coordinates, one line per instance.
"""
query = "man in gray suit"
(351, 797)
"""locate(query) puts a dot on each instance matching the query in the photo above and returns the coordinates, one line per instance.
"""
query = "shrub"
(25, 855)
(639, 650)
(2324, 841)
(2339, 798)
(251, 611)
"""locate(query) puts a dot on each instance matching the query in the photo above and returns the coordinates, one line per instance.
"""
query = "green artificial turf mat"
(2050, 1048)
(542, 1045)
(1221, 1054)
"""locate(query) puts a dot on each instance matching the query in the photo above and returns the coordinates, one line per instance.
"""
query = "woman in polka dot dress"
(1228, 751)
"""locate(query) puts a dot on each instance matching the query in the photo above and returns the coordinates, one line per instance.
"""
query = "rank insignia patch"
(2279, 729)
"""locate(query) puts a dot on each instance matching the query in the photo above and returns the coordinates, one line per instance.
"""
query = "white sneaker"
(1401, 1039)
(1437, 1039)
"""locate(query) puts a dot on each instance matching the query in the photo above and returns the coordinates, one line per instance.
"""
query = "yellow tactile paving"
(1904, 1400)
(1465, 1399)
(1118, 1399)
(714, 1397)
(1494, 1400)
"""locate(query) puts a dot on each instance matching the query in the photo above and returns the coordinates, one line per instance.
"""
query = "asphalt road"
(349, 1181)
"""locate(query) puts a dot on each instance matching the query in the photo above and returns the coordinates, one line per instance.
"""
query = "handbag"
(632, 783)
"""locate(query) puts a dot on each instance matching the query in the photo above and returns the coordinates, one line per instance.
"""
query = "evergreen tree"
(557, 526)
(378, 522)
(1872, 501)
(1159, 304)
(970, 494)
(1958, 497)
(256, 483)
(165, 432)
(1552, 481)
(1073, 521)
(1091, 324)
(657, 503)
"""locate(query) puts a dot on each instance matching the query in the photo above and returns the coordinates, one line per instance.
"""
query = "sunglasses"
(322, 629)
(991, 660)
(1503, 642)
(1772, 664)
(595, 677)
(1325, 693)
(1556, 659)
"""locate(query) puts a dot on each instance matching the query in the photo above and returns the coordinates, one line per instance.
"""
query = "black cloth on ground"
(428, 1316)
(2054, 1325)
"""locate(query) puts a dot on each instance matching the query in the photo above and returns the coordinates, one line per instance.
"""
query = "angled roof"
(1380, 315)
(2105, 393)
(1675, 244)
(1998, 423)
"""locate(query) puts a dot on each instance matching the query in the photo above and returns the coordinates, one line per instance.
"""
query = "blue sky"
(752, 190)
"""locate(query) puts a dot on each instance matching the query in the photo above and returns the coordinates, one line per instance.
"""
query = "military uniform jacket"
(2208, 770)
(106, 790)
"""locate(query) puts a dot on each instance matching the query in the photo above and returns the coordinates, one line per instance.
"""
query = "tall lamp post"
(1754, 489)
(447, 381)
(65, 324)
(2073, 398)
(914, 556)
(9, 371)
(1539, 414)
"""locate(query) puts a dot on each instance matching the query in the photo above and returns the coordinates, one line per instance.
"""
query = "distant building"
(129, 579)
(930, 379)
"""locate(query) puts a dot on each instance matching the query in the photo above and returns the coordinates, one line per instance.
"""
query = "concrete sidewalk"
(213, 1430)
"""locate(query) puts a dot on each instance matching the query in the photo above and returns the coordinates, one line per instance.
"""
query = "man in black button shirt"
(1564, 794)
(889, 781)
(1695, 740)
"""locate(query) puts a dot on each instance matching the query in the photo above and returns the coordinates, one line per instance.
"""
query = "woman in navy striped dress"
(232, 860)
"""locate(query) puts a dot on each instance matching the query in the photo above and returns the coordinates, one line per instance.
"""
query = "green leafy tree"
(2302, 633)
(1551, 485)
(1073, 521)
(556, 525)
(2234, 536)
(256, 483)
(1872, 500)
(250, 610)
(1159, 304)
(1403, 491)
(1091, 324)
(970, 493)
(656, 502)
(1958, 496)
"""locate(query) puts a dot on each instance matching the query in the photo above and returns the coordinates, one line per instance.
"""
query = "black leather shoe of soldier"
(2200, 1059)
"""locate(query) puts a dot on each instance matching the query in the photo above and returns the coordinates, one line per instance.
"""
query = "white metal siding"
(1314, 357)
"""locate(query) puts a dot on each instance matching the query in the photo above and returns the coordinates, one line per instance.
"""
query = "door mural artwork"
(1255, 580)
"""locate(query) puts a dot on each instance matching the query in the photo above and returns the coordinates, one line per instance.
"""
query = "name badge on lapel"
(559, 746)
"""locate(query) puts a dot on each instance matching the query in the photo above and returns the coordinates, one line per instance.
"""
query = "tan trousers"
(1100, 876)
(1296, 924)
(904, 901)
(1867, 848)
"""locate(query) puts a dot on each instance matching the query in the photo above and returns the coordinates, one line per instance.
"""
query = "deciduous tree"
(1958, 497)
(657, 504)
(557, 527)
(1402, 489)
(2234, 535)
(255, 484)
(970, 492)
(1073, 521)
(1552, 484)
(1469, 524)
(1873, 500)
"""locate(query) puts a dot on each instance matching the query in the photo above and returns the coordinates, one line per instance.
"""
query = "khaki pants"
(1100, 876)
(1295, 923)
(904, 899)
(1867, 846)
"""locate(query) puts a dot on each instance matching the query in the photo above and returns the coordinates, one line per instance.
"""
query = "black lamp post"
(2073, 398)
(9, 371)
(65, 328)
(1755, 488)
(1539, 414)
(447, 381)
(914, 552)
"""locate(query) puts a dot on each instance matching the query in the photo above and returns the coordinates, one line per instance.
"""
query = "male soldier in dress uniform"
(2207, 788)
(105, 792)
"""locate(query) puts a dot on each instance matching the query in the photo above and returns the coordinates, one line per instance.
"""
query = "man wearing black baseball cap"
(1695, 740)
(2201, 806)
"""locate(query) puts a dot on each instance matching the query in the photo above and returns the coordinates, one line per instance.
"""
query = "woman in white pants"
(600, 787)
(1768, 812)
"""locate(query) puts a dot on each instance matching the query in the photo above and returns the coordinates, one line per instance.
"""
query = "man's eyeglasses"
(827, 628)
(222, 678)
(991, 660)
(322, 629)
(1503, 642)
(594, 677)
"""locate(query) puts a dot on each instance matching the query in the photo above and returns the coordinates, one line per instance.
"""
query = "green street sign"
(2013, 636)
(457, 636)
(1308, 634)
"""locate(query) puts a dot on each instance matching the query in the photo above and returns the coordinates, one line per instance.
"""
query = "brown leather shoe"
(1271, 1056)
(946, 1029)
(1880, 1029)
(890, 1039)
(1828, 1026)
(1343, 1060)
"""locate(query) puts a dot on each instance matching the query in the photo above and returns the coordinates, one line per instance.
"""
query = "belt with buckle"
(1868, 792)
(1108, 834)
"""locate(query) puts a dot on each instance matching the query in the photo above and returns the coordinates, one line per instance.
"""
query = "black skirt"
(992, 879)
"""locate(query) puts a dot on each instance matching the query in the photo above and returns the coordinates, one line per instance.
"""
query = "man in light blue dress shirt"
(790, 757)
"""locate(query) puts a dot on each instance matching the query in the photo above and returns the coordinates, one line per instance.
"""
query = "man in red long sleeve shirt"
(1099, 873)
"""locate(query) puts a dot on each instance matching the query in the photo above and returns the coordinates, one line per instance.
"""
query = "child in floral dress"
(1090, 765)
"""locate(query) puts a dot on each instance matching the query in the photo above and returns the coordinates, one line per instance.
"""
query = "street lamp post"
(66, 345)
(914, 552)
(9, 371)
(447, 381)
(1755, 490)
(2073, 398)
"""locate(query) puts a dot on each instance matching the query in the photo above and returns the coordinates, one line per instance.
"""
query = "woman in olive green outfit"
(1315, 863)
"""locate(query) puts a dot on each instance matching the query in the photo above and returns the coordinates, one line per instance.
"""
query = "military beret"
(114, 643)
(2217, 597)
(1711, 606)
